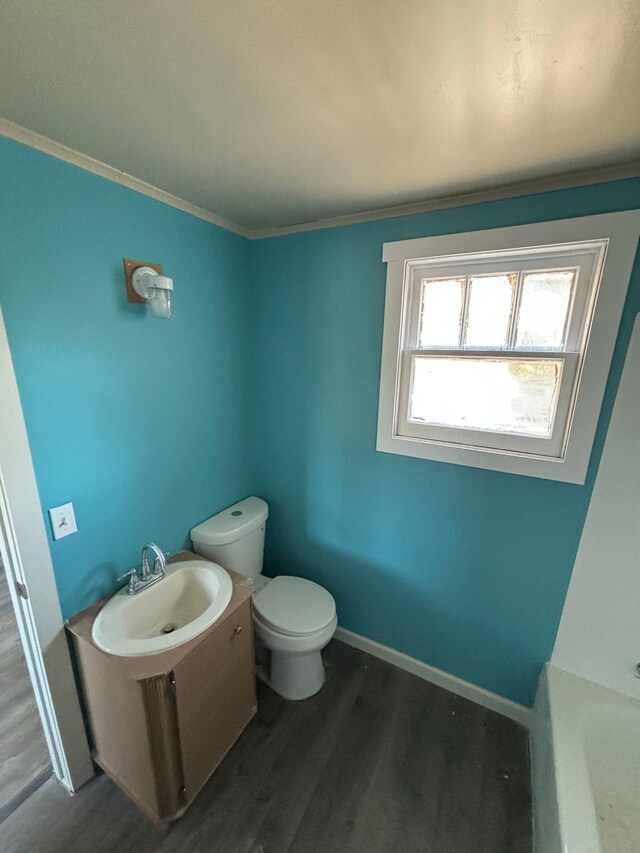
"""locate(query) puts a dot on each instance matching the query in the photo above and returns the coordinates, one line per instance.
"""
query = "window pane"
(500, 395)
(544, 306)
(441, 310)
(489, 311)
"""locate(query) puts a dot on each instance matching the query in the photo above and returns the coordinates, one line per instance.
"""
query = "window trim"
(620, 231)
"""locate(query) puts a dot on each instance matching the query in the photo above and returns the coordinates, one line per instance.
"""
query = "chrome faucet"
(149, 573)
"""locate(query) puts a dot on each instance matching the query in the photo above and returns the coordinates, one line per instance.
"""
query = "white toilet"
(293, 618)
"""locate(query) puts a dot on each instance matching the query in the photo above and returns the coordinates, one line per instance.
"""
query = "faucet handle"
(159, 562)
(159, 565)
(134, 580)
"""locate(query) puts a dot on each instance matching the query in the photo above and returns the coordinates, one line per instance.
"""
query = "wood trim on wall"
(519, 713)
(564, 180)
(118, 176)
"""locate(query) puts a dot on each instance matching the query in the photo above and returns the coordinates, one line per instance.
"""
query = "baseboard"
(519, 713)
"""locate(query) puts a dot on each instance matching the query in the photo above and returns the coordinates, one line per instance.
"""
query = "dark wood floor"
(378, 762)
(24, 758)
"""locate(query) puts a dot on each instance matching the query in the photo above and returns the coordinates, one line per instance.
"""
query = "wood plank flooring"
(24, 757)
(378, 762)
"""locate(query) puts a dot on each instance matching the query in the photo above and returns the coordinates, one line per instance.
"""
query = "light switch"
(63, 521)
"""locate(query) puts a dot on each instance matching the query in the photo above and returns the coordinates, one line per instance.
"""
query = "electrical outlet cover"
(63, 521)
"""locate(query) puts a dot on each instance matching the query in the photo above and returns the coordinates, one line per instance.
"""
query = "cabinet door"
(215, 697)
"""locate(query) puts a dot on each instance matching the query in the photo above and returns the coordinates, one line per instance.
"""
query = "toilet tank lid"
(232, 523)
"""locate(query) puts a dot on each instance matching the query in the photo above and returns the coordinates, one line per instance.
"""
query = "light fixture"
(147, 285)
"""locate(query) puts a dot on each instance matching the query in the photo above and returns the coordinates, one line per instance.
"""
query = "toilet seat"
(294, 606)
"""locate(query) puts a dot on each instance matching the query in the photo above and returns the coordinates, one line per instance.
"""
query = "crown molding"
(89, 164)
(566, 180)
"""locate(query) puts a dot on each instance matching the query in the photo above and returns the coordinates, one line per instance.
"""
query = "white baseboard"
(519, 713)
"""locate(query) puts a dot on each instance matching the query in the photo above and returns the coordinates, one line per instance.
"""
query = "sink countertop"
(148, 666)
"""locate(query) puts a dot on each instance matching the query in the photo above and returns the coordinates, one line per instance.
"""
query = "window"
(497, 344)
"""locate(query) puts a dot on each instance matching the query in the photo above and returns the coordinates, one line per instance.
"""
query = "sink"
(190, 597)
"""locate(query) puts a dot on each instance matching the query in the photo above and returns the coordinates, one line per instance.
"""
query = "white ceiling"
(274, 112)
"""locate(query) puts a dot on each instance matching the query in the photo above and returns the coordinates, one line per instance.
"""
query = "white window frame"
(610, 240)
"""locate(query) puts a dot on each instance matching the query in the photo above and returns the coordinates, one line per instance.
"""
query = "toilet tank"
(234, 538)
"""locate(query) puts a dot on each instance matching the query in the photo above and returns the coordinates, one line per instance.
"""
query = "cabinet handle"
(237, 629)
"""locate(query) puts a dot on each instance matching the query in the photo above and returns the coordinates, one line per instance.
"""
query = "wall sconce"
(146, 285)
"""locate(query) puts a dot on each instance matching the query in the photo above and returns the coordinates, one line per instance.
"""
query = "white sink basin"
(191, 596)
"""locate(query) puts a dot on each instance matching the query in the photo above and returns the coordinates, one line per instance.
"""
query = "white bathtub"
(585, 767)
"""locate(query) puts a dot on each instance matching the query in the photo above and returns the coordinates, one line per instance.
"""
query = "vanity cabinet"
(161, 724)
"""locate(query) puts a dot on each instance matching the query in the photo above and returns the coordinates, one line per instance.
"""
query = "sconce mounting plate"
(129, 267)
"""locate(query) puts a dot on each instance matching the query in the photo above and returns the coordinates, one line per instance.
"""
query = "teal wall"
(266, 382)
(462, 568)
(143, 424)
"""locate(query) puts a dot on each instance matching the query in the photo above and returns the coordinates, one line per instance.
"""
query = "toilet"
(293, 618)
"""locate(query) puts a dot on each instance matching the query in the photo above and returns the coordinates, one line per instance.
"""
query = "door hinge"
(22, 590)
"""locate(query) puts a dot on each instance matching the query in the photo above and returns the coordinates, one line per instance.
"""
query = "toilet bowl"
(293, 618)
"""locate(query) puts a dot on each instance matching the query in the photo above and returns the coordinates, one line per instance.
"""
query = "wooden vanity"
(162, 723)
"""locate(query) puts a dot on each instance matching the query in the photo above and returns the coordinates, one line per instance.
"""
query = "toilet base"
(296, 676)
(290, 676)
(291, 665)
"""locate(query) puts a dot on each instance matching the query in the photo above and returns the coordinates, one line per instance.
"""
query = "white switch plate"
(63, 521)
